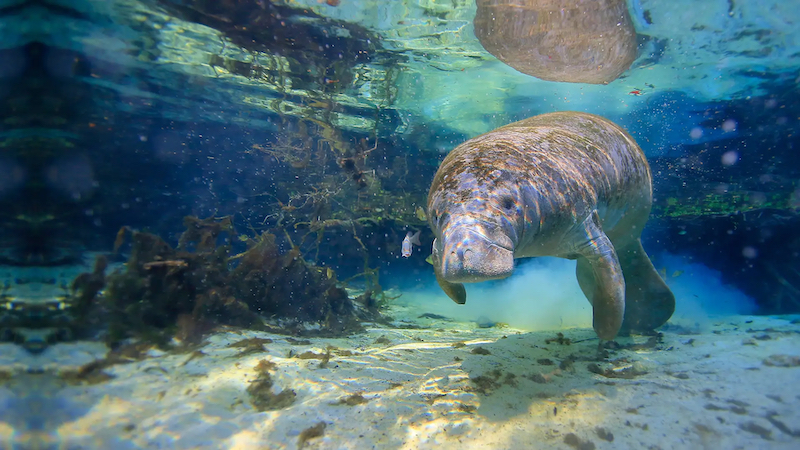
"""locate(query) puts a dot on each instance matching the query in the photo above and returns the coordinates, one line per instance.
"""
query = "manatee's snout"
(468, 255)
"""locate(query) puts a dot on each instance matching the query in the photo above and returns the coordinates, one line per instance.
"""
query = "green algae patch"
(262, 396)
(188, 291)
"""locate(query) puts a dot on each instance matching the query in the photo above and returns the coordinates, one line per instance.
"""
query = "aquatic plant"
(186, 291)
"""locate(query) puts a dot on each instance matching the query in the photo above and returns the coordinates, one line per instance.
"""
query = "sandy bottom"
(442, 385)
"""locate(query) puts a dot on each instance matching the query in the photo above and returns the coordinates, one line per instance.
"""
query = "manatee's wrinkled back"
(578, 41)
(566, 163)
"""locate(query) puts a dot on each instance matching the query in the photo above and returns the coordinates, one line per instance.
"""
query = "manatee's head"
(476, 217)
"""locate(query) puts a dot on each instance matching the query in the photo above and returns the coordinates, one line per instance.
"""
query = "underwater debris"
(263, 399)
(250, 346)
(155, 290)
(480, 351)
(641, 426)
(568, 363)
(261, 396)
(94, 372)
(738, 404)
(311, 355)
(324, 358)
(537, 378)
(736, 409)
(755, 428)
(85, 288)
(573, 440)
(469, 409)
(383, 340)
(704, 430)
(187, 291)
(250, 342)
(285, 285)
(194, 355)
(432, 316)
(352, 400)
(780, 425)
(604, 434)
(316, 431)
(626, 372)
(91, 373)
(265, 365)
(775, 398)
(485, 384)
(510, 379)
(543, 378)
(349, 166)
(190, 330)
(559, 339)
(679, 375)
(782, 361)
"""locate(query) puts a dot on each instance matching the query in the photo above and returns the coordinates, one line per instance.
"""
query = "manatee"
(566, 184)
(577, 41)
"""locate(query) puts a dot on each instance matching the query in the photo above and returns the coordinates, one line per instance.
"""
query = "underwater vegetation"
(188, 290)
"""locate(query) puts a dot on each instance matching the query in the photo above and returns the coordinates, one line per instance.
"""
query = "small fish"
(411, 238)
(677, 273)
(421, 214)
(636, 92)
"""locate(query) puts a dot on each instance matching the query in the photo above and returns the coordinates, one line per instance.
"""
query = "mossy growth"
(285, 285)
(352, 400)
(316, 431)
(262, 396)
(187, 291)
(84, 290)
(720, 204)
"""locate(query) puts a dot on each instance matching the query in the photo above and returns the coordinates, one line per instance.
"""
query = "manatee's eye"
(508, 203)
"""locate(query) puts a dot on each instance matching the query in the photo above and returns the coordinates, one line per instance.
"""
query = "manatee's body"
(565, 184)
(576, 41)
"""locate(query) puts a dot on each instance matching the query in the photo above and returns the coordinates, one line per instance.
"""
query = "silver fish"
(411, 238)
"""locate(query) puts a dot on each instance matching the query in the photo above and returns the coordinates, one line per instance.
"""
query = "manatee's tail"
(649, 303)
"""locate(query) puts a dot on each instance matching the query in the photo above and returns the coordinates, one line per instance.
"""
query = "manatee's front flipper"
(600, 277)
(649, 303)
(455, 291)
